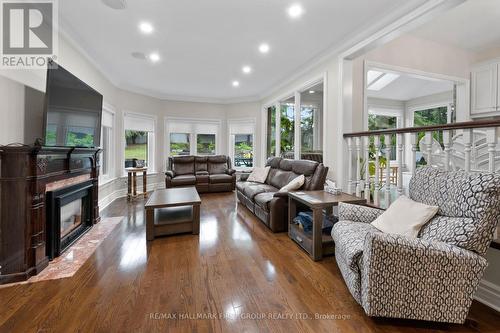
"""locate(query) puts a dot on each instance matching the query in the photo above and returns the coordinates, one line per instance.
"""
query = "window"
(107, 140)
(243, 150)
(287, 128)
(271, 131)
(311, 123)
(379, 122)
(180, 144)
(428, 117)
(139, 141)
(205, 144)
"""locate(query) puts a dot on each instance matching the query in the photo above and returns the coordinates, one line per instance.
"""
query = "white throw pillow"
(405, 217)
(259, 175)
(295, 184)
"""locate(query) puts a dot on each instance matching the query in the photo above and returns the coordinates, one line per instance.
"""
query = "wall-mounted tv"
(73, 111)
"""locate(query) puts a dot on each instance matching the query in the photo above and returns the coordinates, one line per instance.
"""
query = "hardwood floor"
(236, 268)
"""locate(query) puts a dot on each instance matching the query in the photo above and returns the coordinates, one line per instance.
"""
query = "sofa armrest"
(170, 174)
(244, 177)
(358, 213)
(416, 279)
(231, 172)
(281, 195)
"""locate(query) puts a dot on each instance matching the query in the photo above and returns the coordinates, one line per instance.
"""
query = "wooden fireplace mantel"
(26, 174)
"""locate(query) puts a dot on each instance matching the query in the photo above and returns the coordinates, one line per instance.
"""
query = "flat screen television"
(73, 111)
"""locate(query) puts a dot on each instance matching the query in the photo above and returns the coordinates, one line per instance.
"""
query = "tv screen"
(73, 111)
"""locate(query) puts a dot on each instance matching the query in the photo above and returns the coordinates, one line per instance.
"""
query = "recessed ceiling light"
(146, 28)
(154, 57)
(295, 11)
(247, 69)
(264, 48)
(236, 83)
(311, 91)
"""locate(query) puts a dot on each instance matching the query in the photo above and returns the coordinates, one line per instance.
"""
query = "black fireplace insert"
(69, 216)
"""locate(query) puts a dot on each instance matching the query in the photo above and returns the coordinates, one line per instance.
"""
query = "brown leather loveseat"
(266, 202)
(207, 173)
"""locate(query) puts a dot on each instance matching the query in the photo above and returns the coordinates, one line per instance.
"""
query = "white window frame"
(388, 111)
(151, 140)
(250, 122)
(110, 161)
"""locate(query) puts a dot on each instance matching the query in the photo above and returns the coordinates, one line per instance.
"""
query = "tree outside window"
(136, 147)
(243, 150)
(180, 144)
(287, 128)
(205, 144)
(429, 117)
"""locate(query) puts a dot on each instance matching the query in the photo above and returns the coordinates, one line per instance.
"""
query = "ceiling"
(473, 25)
(407, 87)
(204, 44)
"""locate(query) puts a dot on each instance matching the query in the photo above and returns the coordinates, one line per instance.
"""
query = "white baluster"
(376, 199)
(388, 170)
(400, 163)
(358, 166)
(492, 139)
(367, 168)
(428, 147)
(447, 149)
(413, 155)
(468, 134)
(349, 170)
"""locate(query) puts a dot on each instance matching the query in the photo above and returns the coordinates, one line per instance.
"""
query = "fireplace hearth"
(69, 216)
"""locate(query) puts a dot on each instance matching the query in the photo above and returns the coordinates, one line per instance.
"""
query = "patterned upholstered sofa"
(432, 277)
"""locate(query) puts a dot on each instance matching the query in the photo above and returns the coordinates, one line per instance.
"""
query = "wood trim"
(454, 126)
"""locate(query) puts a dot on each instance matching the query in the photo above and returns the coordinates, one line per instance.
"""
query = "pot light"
(295, 11)
(264, 48)
(236, 84)
(246, 69)
(154, 57)
(146, 28)
(311, 91)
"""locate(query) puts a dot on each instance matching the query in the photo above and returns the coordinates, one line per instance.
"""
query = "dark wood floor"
(236, 269)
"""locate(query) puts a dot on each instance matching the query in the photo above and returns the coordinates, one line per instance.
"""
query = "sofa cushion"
(217, 165)
(252, 190)
(202, 177)
(184, 180)
(263, 200)
(218, 179)
(462, 194)
(183, 165)
(294, 185)
(349, 238)
(279, 178)
(201, 163)
(241, 185)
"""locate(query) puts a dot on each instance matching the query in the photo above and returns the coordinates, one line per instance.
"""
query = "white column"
(367, 168)
(358, 166)
(491, 139)
(400, 163)
(297, 144)
(388, 170)
(428, 147)
(447, 149)
(413, 155)
(468, 134)
(349, 169)
(376, 198)
(278, 129)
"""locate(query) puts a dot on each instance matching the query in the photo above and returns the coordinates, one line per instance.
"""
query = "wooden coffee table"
(318, 244)
(172, 211)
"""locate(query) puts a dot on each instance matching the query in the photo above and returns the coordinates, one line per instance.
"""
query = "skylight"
(377, 81)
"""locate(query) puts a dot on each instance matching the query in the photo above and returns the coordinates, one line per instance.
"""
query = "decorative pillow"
(259, 175)
(405, 217)
(295, 184)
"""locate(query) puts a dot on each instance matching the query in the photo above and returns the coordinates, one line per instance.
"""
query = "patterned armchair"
(432, 277)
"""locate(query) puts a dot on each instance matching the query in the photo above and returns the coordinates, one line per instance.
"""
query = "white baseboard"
(489, 294)
(120, 193)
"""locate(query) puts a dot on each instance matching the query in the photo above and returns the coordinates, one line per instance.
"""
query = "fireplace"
(69, 216)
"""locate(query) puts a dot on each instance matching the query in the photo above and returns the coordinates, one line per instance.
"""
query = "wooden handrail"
(453, 126)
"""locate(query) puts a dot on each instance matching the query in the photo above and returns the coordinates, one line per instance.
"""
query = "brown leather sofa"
(207, 173)
(266, 202)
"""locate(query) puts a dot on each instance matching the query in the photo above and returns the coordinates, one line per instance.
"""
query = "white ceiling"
(473, 25)
(204, 43)
(407, 87)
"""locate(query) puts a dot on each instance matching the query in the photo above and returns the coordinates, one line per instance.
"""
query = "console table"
(132, 182)
(318, 244)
